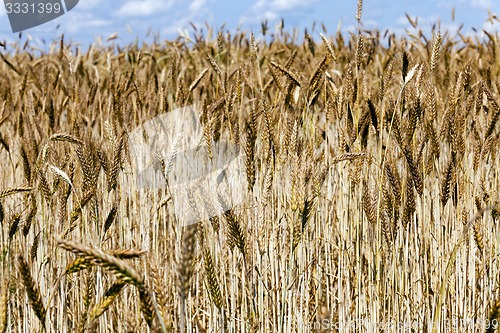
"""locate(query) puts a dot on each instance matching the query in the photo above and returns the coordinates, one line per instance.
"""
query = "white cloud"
(370, 24)
(283, 5)
(286, 5)
(403, 20)
(270, 15)
(143, 7)
(481, 3)
(403, 28)
(197, 5)
(196, 12)
(96, 27)
(273, 9)
(78, 22)
(88, 4)
(171, 15)
(492, 26)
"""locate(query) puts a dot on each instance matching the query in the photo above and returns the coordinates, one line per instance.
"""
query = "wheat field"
(371, 197)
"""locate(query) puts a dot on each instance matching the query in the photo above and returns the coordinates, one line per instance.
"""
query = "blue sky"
(131, 19)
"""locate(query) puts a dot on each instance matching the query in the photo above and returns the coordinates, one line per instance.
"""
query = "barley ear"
(11, 191)
(4, 302)
(435, 52)
(97, 257)
(369, 204)
(87, 297)
(359, 10)
(147, 307)
(107, 299)
(235, 230)
(329, 47)
(34, 296)
(185, 263)
(445, 185)
(212, 283)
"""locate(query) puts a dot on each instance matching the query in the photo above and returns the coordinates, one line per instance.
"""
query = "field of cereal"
(370, 199)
